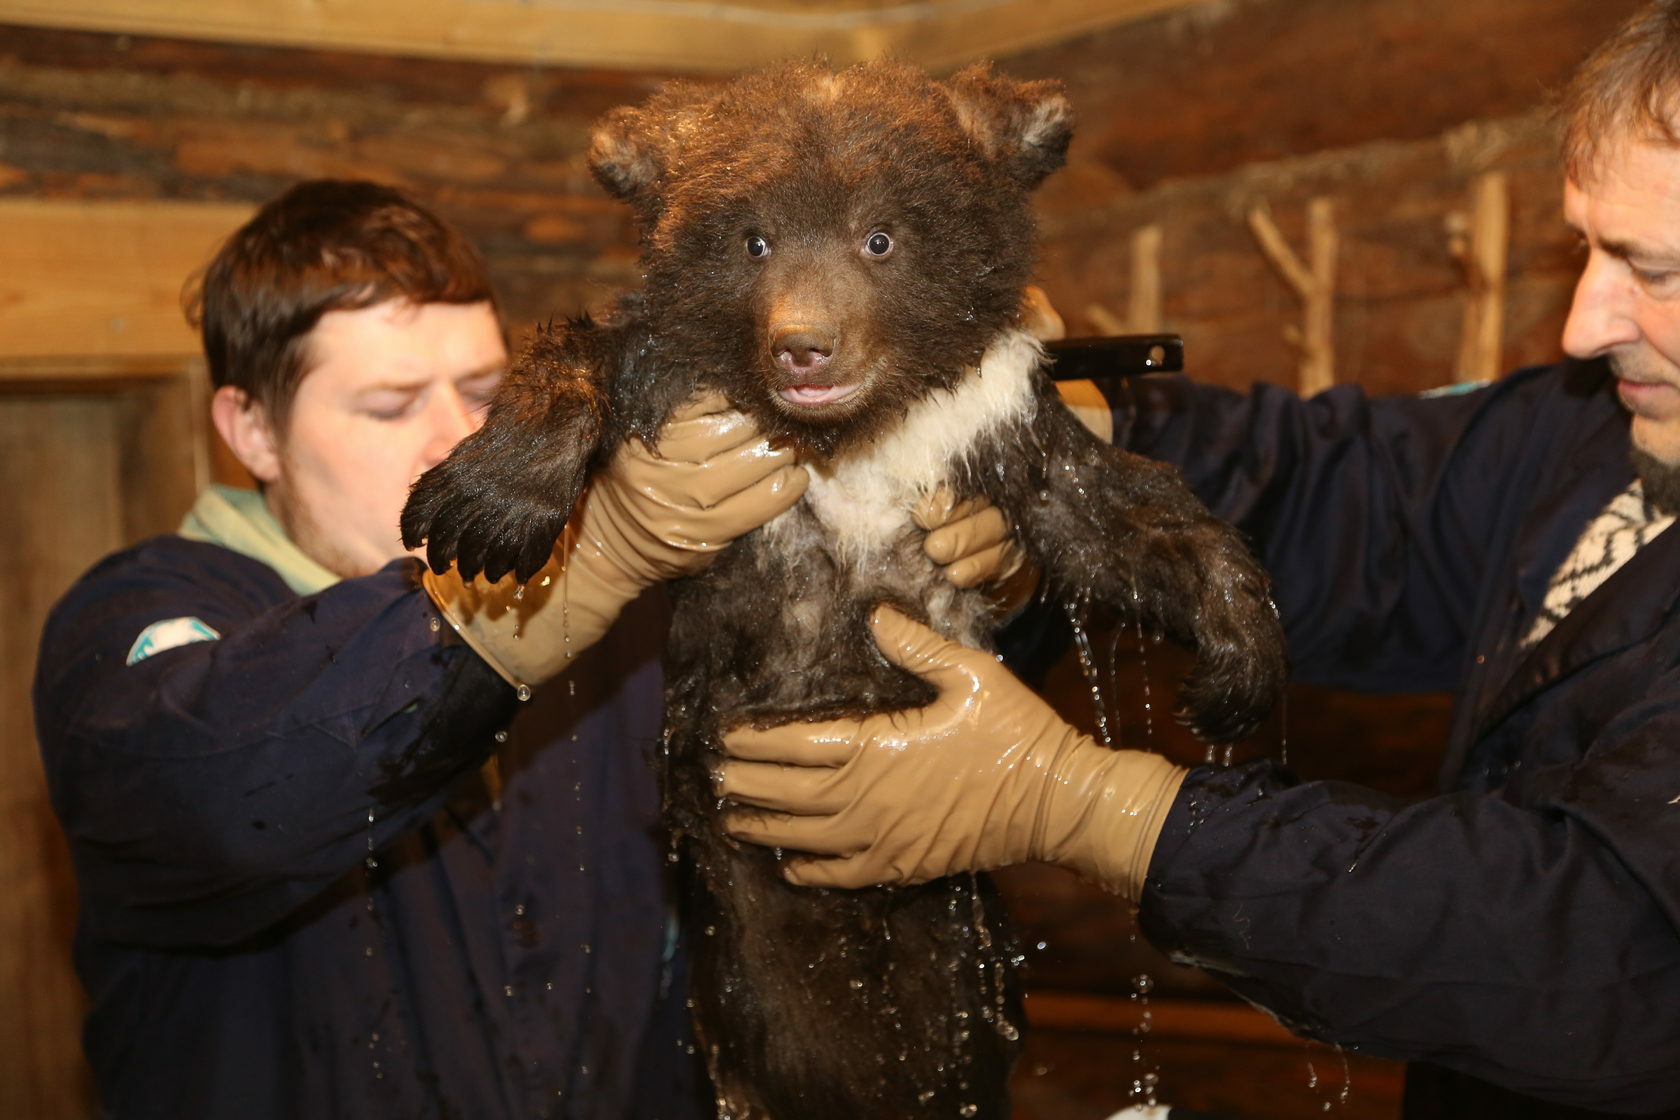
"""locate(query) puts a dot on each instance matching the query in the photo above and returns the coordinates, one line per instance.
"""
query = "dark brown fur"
(881, 1002)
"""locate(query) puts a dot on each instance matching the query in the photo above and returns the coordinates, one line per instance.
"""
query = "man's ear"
(246, 429)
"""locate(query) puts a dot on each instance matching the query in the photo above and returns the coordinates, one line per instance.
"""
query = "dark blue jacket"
(301, 896)
(1521, 929)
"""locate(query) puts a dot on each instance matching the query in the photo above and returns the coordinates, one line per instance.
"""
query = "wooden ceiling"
(698, 36)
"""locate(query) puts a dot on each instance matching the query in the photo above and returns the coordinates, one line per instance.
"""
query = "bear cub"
(843, 255)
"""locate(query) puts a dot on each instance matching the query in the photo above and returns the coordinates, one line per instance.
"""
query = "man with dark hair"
(1517, 936)
(318, 875)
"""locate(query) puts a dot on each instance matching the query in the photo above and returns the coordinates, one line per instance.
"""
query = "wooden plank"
(89, 464)
(1166, 1018)
(102, 278)
(57, 455)
(680, 35)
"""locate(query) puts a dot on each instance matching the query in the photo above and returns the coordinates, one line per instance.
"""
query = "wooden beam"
(665, 35)
(92, 279)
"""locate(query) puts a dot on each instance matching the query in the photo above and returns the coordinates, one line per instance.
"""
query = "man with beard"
(1517, 936)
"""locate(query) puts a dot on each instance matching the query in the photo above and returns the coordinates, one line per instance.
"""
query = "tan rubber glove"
(971, 540)
(986, 776)
(645, 518)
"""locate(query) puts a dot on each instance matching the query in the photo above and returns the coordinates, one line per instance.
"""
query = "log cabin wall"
(1408, 133)
(1391, 110)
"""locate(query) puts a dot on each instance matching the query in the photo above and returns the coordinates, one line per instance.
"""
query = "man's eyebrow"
(1624, 250)
(394, 385)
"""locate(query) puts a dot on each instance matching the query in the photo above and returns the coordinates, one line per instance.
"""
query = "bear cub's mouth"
(813, 395)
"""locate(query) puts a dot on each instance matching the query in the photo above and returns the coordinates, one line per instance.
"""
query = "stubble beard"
(1660, 480)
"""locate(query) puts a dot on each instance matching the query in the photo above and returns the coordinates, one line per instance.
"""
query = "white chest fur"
(865, 499)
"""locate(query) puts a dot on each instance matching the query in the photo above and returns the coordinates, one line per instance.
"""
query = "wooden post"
(1143, 308)
(1480, 242)
(1314, 284)
(1144, 313)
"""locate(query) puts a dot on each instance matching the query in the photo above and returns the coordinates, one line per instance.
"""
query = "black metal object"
(1115, 355)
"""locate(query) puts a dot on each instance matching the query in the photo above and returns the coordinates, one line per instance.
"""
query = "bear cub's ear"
(632, 148)
(1025, 126)
(625, 153)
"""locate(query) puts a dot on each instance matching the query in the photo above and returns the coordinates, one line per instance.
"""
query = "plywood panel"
(102, 278)
(87, 465)
(57, 455)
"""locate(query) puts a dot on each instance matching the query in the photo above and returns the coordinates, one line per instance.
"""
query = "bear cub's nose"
(802, 349)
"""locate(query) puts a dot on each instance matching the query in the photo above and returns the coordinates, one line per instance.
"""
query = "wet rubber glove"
(646, 517)
(986, 776)
(972, 543)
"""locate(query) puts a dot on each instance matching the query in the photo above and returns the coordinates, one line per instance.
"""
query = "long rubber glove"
(984, 777)
(646, 517)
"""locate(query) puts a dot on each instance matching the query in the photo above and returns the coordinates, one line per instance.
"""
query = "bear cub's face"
(828, 247)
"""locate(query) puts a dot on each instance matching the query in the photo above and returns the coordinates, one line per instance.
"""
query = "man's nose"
(451, 420)
(1603, 315)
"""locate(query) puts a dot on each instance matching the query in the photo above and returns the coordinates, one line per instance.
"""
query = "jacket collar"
(1627, 608)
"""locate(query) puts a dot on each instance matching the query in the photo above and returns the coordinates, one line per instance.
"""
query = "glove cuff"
(1116, 810)
(529, 634)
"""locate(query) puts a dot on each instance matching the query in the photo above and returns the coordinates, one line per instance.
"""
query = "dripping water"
(1342, 1095)
(369, 950)
(1076, 615)
(1145, 1077)
(1143, 670)
(1283, 729)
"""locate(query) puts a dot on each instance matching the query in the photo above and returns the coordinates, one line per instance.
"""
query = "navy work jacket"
(302, 894)
(1519, 932)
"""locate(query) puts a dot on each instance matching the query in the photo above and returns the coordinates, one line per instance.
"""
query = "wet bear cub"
(842, 254)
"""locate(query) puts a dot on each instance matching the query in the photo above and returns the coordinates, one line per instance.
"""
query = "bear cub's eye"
(757, 247)
(878, 244)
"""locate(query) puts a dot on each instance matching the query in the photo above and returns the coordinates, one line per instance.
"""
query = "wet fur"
(880, 1002)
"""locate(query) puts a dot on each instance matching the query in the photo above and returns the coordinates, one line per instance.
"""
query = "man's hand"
(985, 776)
(655, 516)
(647, 517)
(974, 546)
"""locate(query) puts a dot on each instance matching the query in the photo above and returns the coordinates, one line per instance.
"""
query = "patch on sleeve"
(168, 634)
(1454, 390)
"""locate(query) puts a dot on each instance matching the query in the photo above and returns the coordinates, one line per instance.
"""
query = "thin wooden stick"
(1480, 241)
(1314, 283)
(1144, 313)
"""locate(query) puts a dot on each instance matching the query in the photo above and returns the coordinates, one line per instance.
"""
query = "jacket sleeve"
(1525, 936)
(1524, 931)
(1371, 514)
(211, 789)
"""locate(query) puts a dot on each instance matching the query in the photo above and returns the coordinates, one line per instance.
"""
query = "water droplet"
(436, 625)
(523, 692)
(501, 736)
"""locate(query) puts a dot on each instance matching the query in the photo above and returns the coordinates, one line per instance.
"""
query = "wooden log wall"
(1388, 116)
(498, 149)
(1389, 109)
